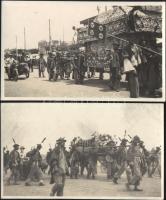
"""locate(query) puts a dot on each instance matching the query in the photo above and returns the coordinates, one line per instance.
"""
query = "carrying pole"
(49, 34)
(136, 44)
(24, 39)
(16, 48)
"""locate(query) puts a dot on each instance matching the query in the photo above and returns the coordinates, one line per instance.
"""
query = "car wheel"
(27, 75)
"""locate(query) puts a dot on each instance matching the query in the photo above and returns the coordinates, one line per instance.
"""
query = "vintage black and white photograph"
(82, 150)
(83, 50)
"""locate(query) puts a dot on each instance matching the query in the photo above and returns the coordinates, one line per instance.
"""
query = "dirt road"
(100, 187)
(41, 87)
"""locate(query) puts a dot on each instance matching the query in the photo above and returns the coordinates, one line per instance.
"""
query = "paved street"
(92, 188)
(41, 87)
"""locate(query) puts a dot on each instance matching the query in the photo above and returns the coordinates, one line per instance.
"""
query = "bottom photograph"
(82, 150)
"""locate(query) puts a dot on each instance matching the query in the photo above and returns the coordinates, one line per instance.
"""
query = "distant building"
(43, 45)
(55, 43)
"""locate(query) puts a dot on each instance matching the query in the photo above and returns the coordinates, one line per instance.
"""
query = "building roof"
(119, 12)
(113, 14)
(86, 21)
(119, 20)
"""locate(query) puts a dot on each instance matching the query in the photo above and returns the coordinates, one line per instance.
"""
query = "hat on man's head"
(39, 146)
(61, 140)
(16, 145)
(158, 148)
(22, 147)
(124, 140)
(136, 139)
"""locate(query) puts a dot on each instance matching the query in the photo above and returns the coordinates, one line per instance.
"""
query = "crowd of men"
(131, 157)
(142, 68)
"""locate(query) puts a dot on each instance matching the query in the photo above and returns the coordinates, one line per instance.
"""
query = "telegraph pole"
(63, 35)
(16, 47)
(24, 39)
(49, 35)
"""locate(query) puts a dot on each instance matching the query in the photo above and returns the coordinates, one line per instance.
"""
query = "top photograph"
(83, 51)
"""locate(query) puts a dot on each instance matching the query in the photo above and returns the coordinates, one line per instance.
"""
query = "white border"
(162, 99)
(96, 197)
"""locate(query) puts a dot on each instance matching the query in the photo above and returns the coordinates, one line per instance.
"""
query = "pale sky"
(34, 17)
(29, 123)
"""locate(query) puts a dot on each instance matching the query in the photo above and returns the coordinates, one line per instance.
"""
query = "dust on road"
(41, 87)
(100, 187)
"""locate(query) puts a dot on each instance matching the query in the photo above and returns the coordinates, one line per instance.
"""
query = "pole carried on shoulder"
(14, 140)
(136, 44)
(43, 140)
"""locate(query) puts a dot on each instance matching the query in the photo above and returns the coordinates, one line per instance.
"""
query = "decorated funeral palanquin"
(129, 20)
(125, 20)
(118, 27)
(148, 24)
(130, 23)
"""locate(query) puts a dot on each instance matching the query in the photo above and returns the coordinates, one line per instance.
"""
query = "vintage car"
(17, 69)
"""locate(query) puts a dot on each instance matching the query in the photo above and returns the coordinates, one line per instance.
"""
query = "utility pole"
(49, 35)
(16, 47)
(24, 39)
(98, 10)
(63, 35)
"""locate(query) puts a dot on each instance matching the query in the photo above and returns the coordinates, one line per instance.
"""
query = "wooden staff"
(14, 140)
(136, 44)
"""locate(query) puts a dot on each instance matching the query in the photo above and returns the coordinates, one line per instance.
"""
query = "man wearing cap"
(22, 156)
(6, 157)
(81, 70)
(67, 66)
(14, 162)
(121, 160)
(144, 160)
(74, 163)
(10, 61)
(115, 69)
(110, 160)
(42, 65)
(49, 60)
(35, 164)
(155, 162)
(51, 64)
(59, 168)
(48, 155)
(133, 170)
(92, 165)
(108, 58)
(23, 58)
